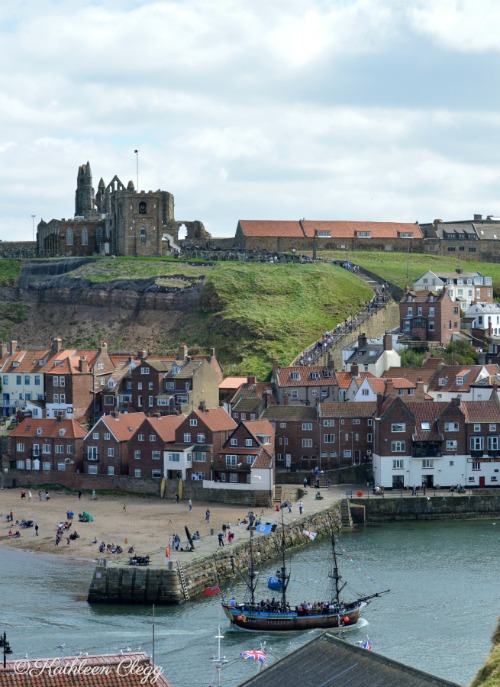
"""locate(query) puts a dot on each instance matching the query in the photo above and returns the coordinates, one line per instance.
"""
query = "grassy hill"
(251, 313)
(405, 268)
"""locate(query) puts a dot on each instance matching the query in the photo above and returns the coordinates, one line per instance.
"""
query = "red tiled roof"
(28, 361)
(50, 428)
(414, 374)
(304, 373)
(216, 419)
(481, 411)
(271, 228)
(108, 670)
(164, 426)
(348, 229)
(232, 382)
(259, 427)
(123, 426)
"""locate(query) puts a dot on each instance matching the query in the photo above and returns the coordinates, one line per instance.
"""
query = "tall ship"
(282, 616)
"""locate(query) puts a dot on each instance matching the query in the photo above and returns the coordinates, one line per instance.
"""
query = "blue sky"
(384, 110)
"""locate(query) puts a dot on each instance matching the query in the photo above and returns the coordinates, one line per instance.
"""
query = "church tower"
(84, 200)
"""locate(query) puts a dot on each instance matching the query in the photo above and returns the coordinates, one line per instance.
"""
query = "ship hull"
(262, 621)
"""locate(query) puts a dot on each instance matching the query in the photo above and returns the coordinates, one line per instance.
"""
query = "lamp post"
(137, 168)
(33, 221)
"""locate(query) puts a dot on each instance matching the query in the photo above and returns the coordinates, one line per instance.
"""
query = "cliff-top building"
(117, 220)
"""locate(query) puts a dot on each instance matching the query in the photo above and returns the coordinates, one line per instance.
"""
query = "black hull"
(261, 621)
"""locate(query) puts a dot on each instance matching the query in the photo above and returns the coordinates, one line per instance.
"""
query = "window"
(365, 392)
(143, 235)
(492, 428)
(95, 435)
(109, 400)
(451, 426)
(329, 438)
(46, 465)
(425, 426)
(398, 427)
(370, 422)
(250, 460)
(139, 386)
(20, 465)
(85, 237)
(234, 441)
(431, 311)
(493, 443)
(187, 437)
(193, 422)
(369, 437)
(137, 472)
(20, 447)
(111, 452)
(156, 473)
(356, 421)
(151, 401)
(451, 445)
(398, 464)
(156, 455)
(5, 380)
(295, 376)
(248, 442)
(328, 423)
(111, 470)
(150, 386)
(92, 469)
(46, 450)
(36, 450)
(140, 437)
(477, 428)
(59, 448)
(427, 463)
(19, 380)
(145, 370)
(137, 454)
(107, 436)
(174, 457)
(307, 443)
(307, 426)
(200, 438)
(398, 446)
(231, 460)
(233, 477)
(92, 453)
(27, 380)
(476, 443)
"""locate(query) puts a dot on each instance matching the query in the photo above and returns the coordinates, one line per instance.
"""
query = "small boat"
(274, 583)
(281, 616)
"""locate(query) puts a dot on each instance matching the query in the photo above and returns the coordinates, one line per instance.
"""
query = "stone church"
(117, 220)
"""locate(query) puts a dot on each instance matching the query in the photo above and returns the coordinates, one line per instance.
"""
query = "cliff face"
(126, 314)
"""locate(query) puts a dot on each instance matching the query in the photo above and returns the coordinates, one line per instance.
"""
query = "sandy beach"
(146, 523)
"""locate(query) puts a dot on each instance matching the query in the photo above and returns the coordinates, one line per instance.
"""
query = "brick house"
(248, 451)
(429, 316)
(469, 382)
(147, 445)
(106, 445)
(198, 438)
(482, 439)
(46, 447)
(297, 435)
(307, 385)
(168, 386)
(250, 400)
(347, 433)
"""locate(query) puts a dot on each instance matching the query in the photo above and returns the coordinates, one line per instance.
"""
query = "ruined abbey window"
(85, 237)
(69, 237)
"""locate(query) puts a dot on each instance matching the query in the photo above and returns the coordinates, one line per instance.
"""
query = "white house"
(485, 316)
(464, 287)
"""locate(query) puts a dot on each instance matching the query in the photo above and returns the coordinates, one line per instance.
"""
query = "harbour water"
(439, 616)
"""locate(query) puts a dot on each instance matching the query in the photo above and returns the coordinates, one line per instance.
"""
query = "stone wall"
(114, 584)
(17, 249)
(449, 507)
(80, 482)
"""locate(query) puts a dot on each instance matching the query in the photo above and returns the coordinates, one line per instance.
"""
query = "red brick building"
(147, 445)
(106, 445)
(429, 316)
(297, 435)
(250, 446)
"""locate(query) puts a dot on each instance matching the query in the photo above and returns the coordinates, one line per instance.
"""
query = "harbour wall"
(175, 584)
(442, 507)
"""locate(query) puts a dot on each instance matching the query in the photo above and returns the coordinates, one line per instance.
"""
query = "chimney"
(56, 345)
(203, 406)
(59, 417)
(387, 341)
(13, 347)
(362, 340)
(83, 365)
(478, 218)
(104, 346)
(355, 370)
(251, 379)
(285, 400)
(276, 366)
(142, 354)
(182, 352)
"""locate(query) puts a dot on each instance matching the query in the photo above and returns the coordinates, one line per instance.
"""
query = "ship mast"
(337, 587)
(282, 574)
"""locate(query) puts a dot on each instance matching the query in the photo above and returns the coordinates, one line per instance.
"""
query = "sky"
(381, 110)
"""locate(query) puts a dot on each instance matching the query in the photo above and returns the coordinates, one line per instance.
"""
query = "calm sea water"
(439, 616)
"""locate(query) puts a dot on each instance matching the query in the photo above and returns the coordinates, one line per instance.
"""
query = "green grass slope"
(489, 674)
(253, 313)
(405, 268)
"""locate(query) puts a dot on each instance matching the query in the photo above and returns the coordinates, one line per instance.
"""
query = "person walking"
(79, 495)
(301, 507)
(36, 529)
(39, 495)
(220, 537)
(190, 505)
(30, 495)
(207, 516)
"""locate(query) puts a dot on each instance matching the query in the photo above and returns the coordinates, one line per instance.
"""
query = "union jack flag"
(255, 655)
(367, 644)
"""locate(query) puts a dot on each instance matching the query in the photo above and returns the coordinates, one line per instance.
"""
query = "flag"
(264, 529)
(367, 644)
(211, 591)
(255, 655)
(312, 535)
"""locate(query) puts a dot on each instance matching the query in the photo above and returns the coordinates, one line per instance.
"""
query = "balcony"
(477, 453)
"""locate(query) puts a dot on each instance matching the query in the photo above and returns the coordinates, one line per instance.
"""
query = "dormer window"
(314, 375)
(39, 431)
(442, 381)
(460, 381)
(295, 376)
(425, 426)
